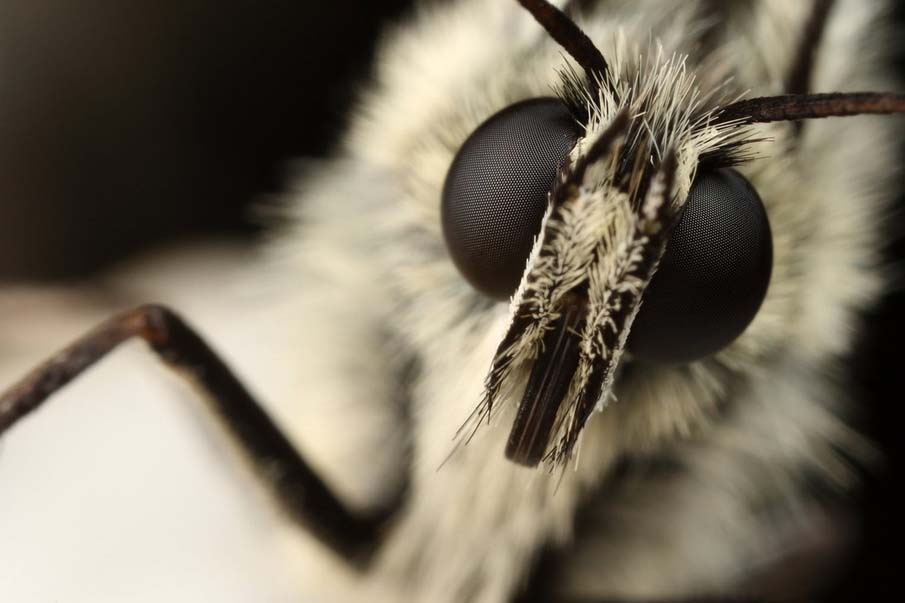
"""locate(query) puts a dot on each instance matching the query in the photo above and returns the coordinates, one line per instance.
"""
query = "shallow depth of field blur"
(137, 130)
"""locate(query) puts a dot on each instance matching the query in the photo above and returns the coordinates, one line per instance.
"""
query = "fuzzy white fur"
(742, 428)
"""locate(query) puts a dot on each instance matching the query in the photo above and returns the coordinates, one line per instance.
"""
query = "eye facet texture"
(496, 191)
(713, 276)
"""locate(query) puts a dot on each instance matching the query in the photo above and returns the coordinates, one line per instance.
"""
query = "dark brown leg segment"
(300, 491)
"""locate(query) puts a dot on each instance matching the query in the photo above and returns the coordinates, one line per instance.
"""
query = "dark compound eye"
(496, 191)
(713, 276)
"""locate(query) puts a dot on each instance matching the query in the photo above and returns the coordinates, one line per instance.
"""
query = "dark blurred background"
(127, 124)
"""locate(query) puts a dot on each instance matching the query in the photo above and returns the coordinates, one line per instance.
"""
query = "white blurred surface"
(120, 488)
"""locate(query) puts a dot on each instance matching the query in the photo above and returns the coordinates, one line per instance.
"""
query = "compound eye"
(496, 190)
(713, 276)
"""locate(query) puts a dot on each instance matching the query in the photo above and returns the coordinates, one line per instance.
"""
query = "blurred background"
(125, 124)
(130, 125)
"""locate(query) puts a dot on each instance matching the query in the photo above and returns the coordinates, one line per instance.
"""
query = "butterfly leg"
(300, 491)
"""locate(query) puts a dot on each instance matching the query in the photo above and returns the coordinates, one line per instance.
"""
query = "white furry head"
(734, 431)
